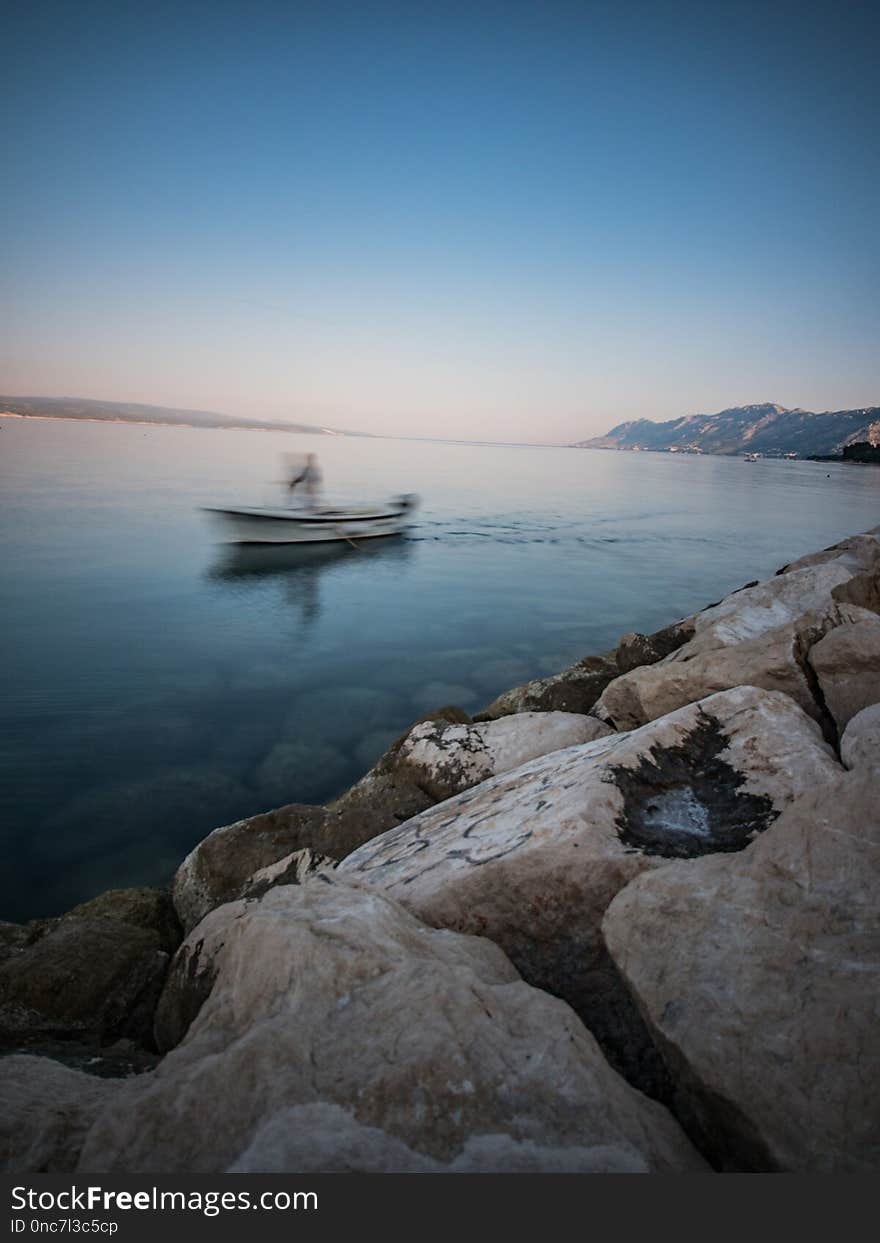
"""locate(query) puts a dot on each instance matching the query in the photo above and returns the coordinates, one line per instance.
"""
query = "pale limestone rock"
(759, 610)
(221, 866)
(856, 553)
(771, 661)
(45, 1111)
(847, 665)
(436, 758)
(759, 975)
(532, 858)
(329, 992)
(451, 758)
(293, 869)
(192, 974)
(774, 659)
(758, 636)
(860, 744)
(192, 971)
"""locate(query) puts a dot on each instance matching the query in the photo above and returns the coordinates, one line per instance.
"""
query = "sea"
(158, 682)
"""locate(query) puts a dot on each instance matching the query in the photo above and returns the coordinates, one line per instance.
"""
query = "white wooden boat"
(303, 525)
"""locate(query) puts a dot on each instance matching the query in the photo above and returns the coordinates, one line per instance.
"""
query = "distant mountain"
(767, 428)
(130, 412)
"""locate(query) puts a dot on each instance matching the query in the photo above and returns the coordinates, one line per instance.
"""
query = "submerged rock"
(341, 715)
(502, 672)
(304, 770)
(532, 858)
(442, 692)
(330, 994)
(758, 975)
(437, 757)
(374, 745)
(138, 827)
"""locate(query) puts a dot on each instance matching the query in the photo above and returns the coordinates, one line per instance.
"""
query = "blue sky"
(499, 220)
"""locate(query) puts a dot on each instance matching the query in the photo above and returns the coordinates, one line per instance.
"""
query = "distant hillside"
(130, 412)
(768, 429)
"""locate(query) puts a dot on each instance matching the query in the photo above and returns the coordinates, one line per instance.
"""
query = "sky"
(500, 221)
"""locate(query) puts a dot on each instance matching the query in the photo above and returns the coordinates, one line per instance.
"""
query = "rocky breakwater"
(533, 858)
(639, 933)
(765, 635)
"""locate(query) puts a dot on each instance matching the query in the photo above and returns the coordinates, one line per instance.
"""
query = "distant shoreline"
(265, 427)
(197, 427)
(244, 426)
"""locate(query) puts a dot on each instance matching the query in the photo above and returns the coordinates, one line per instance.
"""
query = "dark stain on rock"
(685, 801)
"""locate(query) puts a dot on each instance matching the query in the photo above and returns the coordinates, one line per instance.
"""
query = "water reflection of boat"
(299, 568)
(296, 560)
(303, 525)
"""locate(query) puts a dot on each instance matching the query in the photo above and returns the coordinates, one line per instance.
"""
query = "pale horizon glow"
(513, 221)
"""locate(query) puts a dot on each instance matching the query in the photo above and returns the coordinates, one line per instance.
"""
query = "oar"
(348, 540)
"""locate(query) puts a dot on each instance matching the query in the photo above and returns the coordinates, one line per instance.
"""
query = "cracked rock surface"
(532, 858)
(330, 993)
(759, 636)
(759, 976)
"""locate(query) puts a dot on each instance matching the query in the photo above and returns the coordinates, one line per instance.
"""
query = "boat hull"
(248, 526)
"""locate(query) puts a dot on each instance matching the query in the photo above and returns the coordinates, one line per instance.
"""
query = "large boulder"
(438, 757)
(191, 975)
(860, 744)
(532, 858)
(220, 867)
(451, 758)
(575, 689)
(93, 974)
(847, 665)
(758, 636)
(856, 553)
(758, 976)
(45, 1111)
(775, 661)
(330, 993)
(765, 607)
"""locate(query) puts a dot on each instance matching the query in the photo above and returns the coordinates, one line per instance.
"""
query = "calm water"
(157, 685)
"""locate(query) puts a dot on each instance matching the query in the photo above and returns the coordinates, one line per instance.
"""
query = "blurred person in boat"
(307, 477)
